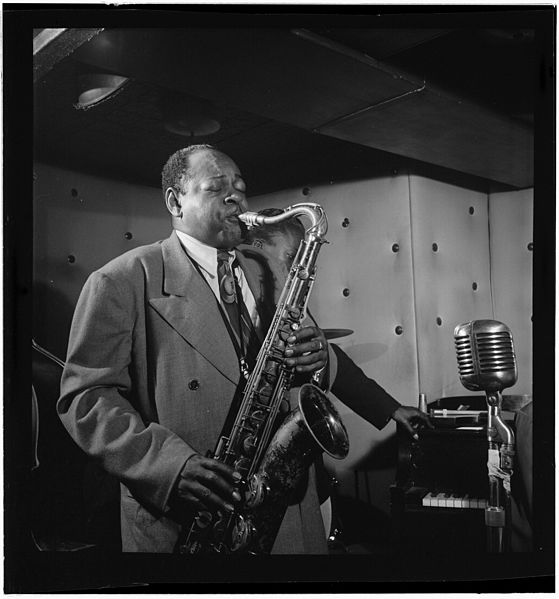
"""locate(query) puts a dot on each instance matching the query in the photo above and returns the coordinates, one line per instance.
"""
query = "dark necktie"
(239, 318)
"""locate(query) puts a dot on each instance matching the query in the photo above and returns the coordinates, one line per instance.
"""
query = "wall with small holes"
(408, 259)
(80, 222)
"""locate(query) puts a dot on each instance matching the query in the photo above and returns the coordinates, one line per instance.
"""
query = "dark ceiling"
(299, 106)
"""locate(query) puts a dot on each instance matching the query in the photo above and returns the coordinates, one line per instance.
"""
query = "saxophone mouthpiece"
(251, 219)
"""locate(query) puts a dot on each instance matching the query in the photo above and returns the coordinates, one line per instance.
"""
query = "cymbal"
(336, 333)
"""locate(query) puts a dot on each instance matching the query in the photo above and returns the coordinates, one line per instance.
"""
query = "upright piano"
(441, 490)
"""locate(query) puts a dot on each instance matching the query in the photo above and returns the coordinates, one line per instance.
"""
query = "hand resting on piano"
(411, 420)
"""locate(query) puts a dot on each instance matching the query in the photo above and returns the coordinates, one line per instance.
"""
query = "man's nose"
(236, 197)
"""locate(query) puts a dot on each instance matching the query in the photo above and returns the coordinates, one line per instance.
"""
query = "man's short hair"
(177, 167)
(266, 232)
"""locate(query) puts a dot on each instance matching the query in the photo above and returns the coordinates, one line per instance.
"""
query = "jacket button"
(193, 385)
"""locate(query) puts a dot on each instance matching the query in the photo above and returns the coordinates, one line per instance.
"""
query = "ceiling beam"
(345, 94)
(50, 46)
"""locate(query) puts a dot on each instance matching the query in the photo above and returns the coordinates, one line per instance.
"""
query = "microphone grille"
(485, 355)
(495, 351)
(464, 353)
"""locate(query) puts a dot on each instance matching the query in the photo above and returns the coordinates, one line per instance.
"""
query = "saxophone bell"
(323, 422)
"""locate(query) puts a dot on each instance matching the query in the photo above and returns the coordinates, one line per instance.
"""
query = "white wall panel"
(85, 217)
(511, 233)
(456, 220)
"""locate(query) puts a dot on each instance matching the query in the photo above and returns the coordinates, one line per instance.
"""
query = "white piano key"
(440, 500)
(457, 501)
(431, 499)
(452, 500)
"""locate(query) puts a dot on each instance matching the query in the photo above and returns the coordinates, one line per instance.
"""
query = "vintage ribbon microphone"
(486, 362)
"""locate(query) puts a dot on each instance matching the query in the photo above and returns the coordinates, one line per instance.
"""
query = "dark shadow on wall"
(363, 527)
(73, 503)
(381, 456)
(52, 318)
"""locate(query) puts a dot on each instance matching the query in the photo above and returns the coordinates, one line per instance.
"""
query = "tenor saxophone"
(272, 458)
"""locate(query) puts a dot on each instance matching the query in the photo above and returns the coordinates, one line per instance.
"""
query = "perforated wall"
(80, 223)
(511, 235)
(449, 228)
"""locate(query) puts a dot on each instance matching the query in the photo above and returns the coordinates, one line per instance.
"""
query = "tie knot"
(223, 256)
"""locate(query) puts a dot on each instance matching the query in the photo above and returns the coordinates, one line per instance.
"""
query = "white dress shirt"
(205, 257)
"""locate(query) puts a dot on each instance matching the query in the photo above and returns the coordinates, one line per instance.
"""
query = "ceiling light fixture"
(190, 117)
(94, 88)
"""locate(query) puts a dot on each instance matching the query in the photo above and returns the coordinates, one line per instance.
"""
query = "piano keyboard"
(450, 500)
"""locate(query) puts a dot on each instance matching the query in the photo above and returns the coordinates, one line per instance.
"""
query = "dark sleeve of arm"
(360, 393)
(95, 404)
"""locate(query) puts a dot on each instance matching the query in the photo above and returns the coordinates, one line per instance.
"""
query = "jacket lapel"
(190, 307)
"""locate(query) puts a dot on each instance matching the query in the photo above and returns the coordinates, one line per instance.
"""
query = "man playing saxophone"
(155, 360)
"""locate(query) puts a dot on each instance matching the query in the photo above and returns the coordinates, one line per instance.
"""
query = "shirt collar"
(204, 255)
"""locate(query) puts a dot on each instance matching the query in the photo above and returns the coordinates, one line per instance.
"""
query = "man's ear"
(172, 202)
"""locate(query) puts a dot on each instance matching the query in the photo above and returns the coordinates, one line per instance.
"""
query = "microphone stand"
(500, 457)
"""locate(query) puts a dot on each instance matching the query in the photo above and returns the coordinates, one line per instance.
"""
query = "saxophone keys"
(249, 445)
(244, 368)
(270, 371)
(256, 418)
(283, 337)
(242, 465)
(256, 491)
(242, 534)
(270, 377)
(203, 519)
(285, 407)
(191, 548)
(221, 524)
(265, 391)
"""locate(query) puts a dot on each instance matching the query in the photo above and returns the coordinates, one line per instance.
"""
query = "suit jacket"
(150, 375)
(360, 393)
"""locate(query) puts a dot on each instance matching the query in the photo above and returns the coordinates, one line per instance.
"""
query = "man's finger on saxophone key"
(211, 482)
(303, 333)
(219, 486)
(200, 497)
(213, 500)
(191, 500)
(306, 355)
(306, 363)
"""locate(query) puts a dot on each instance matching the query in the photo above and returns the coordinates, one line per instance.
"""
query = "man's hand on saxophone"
(307, 349)
(206, 484)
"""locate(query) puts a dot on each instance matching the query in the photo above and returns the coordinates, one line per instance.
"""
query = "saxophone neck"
(314, 212)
